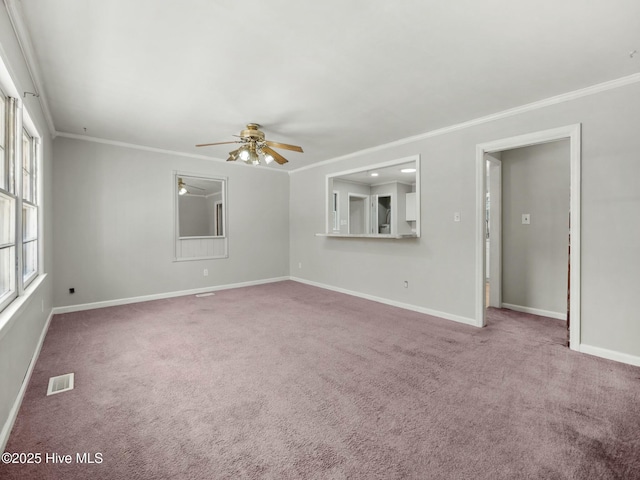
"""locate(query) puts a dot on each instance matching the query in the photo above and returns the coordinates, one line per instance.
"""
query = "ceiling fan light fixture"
(253, 157)
(244, 153)
(254, 148)
(182, 188)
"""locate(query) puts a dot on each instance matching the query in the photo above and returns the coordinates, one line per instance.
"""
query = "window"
(18, 193)
(29, 209)
(8, 289)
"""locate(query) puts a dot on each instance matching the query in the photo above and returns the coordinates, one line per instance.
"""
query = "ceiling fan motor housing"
(252, 133)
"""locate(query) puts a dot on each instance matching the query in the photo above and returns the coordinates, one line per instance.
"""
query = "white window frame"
(336, 210)
(21, 122)
(34, 146)
(7, 151)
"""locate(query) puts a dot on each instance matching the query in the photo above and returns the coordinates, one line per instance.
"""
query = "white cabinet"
(411, 207)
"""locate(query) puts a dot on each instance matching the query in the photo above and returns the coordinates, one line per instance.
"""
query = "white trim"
(335, 201)
(146, 148)
(18, 169)
(536, 311)
(386, 301)
(13, 413)
(565, 97)
(610, 354)
(13, 310)
(495, 226)
(24, 40)
(573, 133)
(161, 296)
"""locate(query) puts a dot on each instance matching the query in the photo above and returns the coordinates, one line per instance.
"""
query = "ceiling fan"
(182, 187)
(254, 146)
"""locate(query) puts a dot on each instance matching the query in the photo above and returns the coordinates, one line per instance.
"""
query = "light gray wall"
(18, 342)
(440, 266)
(114, 231)
(196, 218)
(535, 180)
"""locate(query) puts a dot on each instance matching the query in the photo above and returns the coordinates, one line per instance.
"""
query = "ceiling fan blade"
(286, 146)
(276, 156)
(233, 155)
(193, 186)
(217, 143)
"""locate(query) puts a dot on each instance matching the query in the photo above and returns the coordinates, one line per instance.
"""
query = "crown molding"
(24, 40)
(565, 97)
(135, 146)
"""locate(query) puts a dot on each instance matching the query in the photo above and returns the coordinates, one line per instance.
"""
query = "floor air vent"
(61, 383)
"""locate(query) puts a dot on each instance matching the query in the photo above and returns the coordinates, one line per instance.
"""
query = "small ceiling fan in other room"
(255, 147)
(183, 188)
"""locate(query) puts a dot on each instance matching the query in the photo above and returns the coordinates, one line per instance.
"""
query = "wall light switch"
(343, 222)
(456, 217)
(526, 218)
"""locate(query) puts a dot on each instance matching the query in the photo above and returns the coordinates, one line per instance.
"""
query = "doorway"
(484, 152)
(358, 214)
(381, 214)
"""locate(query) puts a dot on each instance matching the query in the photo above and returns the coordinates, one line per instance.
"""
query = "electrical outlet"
(300, 265)
(406, 284)
(456, 217)
(72, 290)
(205, 272)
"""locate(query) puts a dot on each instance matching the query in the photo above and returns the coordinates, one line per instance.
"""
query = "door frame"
(495, 227)
(573, 134)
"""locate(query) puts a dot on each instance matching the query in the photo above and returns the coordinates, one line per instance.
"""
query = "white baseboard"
(610, 354)
(160, 296)
(536, 311)
(13, 414)
(386, 301)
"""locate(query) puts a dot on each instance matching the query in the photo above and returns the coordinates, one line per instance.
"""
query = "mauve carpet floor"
(288, 381)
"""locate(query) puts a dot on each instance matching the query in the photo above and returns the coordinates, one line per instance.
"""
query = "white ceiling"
(333, 76)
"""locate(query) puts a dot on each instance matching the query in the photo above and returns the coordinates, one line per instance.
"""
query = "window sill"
(368, 235)
(15, 308)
